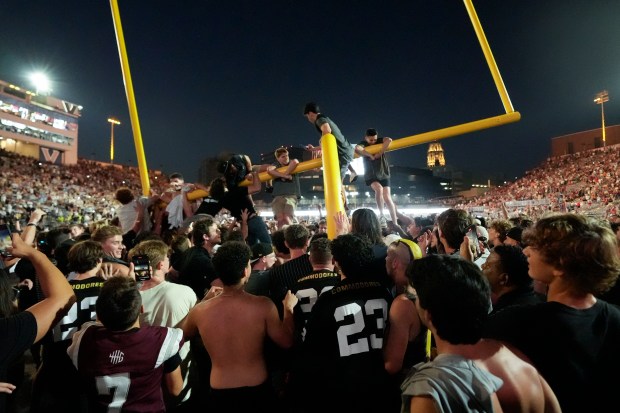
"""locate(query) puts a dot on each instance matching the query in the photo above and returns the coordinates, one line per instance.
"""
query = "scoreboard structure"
(38, 126)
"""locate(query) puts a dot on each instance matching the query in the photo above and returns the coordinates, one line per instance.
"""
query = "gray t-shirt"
(345, 149)
(456, 384)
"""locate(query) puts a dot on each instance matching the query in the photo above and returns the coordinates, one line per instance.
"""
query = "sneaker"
(352, 177)
(269, 189)
(382, 221)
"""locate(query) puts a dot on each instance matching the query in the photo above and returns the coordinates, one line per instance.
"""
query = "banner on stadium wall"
(50, 155)
(527, 202)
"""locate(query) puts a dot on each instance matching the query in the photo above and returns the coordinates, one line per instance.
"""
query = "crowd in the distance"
(586, 182)
(164, 304)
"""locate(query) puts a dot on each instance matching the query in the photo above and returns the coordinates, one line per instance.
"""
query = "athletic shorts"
(284, 204)
(384, 182)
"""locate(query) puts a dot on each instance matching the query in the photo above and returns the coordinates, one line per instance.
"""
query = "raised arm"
(58, 293)
(30, 231)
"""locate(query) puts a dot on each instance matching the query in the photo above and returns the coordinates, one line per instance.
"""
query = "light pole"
(112, 123)
(600, 99)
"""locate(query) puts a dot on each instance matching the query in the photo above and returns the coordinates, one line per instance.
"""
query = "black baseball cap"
(260, 250)
(311, 107)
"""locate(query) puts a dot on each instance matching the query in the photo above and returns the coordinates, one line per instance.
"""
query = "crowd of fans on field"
(163, 304)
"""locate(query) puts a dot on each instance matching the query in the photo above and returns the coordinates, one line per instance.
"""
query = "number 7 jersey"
(125, 368)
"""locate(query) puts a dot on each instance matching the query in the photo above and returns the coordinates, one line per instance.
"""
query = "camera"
(141, 267)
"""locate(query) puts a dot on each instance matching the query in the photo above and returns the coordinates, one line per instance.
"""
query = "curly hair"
(231, 260)
(501, 226)
(124, 195)
(353, 253)
(584, 249)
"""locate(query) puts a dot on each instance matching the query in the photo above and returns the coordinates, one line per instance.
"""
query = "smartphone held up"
(474, 242)
(5, 239)
(141, 268)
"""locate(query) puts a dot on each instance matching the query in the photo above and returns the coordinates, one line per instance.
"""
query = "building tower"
(434, 155)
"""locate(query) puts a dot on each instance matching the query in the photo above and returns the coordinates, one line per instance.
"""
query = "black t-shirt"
(208, 206)
(284, 277)
(375, 168)
(17, 334)
(237, 174)
(236, 199)
(196, 270)
(576, 351)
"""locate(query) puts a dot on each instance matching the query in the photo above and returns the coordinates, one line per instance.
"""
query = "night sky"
(213, 76)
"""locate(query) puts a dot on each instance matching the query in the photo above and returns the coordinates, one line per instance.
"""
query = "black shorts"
(384, 182)
(261, 398)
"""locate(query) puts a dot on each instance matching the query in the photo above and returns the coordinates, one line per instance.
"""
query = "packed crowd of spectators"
(586, 182)
(81, 193)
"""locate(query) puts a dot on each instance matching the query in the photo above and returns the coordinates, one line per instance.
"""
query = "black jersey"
(308, 289)
(343, 346)
(56, 386)
(83, 310)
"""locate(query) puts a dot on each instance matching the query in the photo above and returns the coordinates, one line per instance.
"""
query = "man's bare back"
(233, 327)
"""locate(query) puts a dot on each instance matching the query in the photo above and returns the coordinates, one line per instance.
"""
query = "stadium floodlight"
(41, 83)
(600, 99)
(112, 123)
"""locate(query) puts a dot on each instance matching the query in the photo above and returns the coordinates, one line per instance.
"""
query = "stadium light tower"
(41, 83)
(600, 99)
(112, 123)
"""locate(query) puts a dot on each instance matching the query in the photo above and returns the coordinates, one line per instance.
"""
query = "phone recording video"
(5, 239)
(141, 267)
(474, 243)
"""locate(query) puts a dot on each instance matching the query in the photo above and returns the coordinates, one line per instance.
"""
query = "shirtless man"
(405, 344)
(233, 326)
(453, 299)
